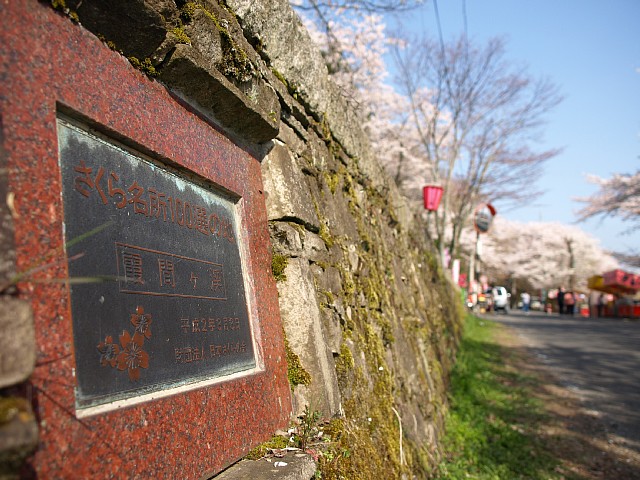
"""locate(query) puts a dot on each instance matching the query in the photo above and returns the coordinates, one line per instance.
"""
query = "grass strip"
(491, 424)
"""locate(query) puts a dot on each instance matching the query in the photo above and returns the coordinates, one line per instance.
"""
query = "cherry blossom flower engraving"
(142, 322)
(129, 355)
(132, 357)
(108, 352)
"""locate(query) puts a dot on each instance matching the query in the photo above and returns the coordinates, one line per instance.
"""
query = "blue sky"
(591, 50)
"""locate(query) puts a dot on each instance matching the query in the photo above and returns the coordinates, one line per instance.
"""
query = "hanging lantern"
(432, 196)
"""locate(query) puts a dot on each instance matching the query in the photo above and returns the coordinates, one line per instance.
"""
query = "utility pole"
(472, 260)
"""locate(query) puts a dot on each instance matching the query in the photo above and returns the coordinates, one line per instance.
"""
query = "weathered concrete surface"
(293, 466)
(276, 27)
(208, 90)
(17, 342)
(302, 322)
(288, 196)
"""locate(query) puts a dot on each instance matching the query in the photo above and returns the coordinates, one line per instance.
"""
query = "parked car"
(500, 299)
(536, 304)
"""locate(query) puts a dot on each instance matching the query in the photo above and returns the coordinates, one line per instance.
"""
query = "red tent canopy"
(617, 282)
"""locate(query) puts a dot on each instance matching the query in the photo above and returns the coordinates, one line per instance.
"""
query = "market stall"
(622, 288)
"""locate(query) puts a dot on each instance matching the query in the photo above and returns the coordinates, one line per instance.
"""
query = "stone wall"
(365, 307)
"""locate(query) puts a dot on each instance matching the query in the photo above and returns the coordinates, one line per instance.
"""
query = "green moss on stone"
(291, 88)
(295, 371)
(386, 329)
(332, 180)
(325, 235)
(10, 407)
(322, 265)
(348, 285)
(278, 265)
(280, 77)
(329, 296)
(277, 442)
(61, 6)
(181, 35)
(344, 365)
(369, 430)
(144, 66)
(373, 300)
(235, 62)
(188, 11)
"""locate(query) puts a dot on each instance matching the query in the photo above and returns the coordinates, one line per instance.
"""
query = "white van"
(500, 299)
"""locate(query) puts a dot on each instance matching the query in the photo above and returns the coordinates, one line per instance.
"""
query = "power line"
(466, 32)
(435, 8)
(464, 17)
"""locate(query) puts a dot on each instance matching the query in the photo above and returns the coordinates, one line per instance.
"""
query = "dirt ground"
(573, 433)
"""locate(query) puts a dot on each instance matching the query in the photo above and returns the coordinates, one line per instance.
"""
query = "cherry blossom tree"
(477, 117)
(541, 254)
(354, 51)
(618, 196)
(465, 117)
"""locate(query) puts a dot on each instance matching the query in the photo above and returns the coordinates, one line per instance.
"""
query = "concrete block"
(293, 466)
(17, 341)
(288, 196)
(304, 329)
(252, 118)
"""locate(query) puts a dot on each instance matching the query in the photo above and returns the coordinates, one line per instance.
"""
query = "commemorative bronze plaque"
(157, 289)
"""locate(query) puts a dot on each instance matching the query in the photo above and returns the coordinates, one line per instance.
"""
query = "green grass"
(493, 415)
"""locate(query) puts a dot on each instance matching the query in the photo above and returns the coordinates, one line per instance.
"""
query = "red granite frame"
(49, 64)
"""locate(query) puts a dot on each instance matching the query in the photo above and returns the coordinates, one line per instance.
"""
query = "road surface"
(599, 359)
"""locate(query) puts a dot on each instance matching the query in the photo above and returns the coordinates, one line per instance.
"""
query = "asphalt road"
(599, 359)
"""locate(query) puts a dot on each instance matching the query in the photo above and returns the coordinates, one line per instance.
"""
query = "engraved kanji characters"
(222, 350)
(139, 205)
(201, 220)
(184, 324)
(194, 279)
(167, 272)
(210, 324)
(157, 204)
(132, 263)
(217, 280)
(150, 202)
(189, 354)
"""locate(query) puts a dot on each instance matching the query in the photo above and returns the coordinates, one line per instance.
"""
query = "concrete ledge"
(293, 466)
